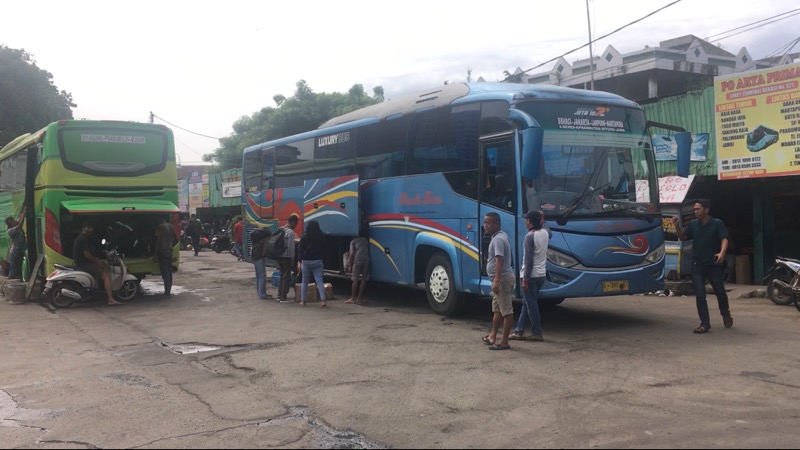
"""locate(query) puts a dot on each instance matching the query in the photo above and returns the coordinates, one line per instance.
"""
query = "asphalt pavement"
(214, 366)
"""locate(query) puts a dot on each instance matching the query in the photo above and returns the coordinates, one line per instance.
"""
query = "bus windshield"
(593, 161)
(110, 151)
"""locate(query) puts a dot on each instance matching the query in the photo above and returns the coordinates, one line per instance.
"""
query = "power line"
(783, 50)
(595, 40)
(713, 36)
(184, 129)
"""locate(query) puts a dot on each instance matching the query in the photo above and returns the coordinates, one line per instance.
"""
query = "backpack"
(257, 238)
(275, 244)
(194, 227)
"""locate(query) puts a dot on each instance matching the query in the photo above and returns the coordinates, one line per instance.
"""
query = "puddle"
(151, 287)
(324, 436)
(188, 349)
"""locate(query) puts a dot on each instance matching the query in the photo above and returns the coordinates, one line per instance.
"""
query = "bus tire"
(440, 286)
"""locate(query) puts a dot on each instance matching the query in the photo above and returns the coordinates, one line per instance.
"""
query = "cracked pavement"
(213, 366)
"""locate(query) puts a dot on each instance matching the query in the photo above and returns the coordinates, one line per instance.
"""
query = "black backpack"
(275, 244)
(257, 239)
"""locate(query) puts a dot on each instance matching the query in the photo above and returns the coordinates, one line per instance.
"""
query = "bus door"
(498, 193)
(333, 202)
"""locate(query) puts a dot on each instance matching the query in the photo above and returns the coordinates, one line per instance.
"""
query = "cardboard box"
(312, 294)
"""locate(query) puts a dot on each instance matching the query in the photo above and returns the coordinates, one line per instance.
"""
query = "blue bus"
(417, 174)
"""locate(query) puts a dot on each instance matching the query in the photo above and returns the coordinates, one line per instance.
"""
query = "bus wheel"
(440, 286)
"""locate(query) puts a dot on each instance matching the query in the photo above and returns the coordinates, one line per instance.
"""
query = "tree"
(28, 98)
(304, 111)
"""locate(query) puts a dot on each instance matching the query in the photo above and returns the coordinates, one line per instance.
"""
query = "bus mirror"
(684, 144)
(532, 140)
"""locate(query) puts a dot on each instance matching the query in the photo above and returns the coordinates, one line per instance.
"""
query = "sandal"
(487, 341)
(323, 305)
(302, 303)
(517, 336)
(702, 329)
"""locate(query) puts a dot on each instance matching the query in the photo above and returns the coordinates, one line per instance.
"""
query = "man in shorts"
(359, 265)
(87, 262)
(501, 270)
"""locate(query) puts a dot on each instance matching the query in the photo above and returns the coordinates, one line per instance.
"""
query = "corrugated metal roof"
(693, 111)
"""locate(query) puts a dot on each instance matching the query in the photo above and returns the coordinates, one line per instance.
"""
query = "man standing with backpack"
(258, 240)
(285, 259)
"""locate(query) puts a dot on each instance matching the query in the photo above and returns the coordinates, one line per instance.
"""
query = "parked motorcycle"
(186, 241)
(67, 285)
(783, 282)
(222, 242)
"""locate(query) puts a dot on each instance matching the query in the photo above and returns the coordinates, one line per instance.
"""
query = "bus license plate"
(615, 286)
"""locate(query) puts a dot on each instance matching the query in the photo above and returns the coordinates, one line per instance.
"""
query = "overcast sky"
(202, 65)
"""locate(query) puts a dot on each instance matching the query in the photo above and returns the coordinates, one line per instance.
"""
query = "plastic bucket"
(276, 278)
(15, 292)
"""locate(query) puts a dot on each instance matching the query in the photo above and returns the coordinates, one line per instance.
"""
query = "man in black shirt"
(709, 245)
(87, 262)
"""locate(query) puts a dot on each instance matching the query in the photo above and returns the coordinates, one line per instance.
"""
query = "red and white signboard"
(671, 189)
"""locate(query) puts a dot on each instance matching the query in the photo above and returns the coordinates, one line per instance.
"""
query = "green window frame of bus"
(13, 171)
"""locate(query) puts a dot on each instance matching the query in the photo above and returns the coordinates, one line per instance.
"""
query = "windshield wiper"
(562, 220)
(632, 212)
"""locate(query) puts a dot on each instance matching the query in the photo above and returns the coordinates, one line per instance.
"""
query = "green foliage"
(304, 111)
(28, 98)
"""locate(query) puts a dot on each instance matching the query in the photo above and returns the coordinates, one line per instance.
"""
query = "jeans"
(530, 308)
(195, 244)
(309, 268)
(285, 282)
(261, 278)
(165, 265)
(714, 276)
(237, 249)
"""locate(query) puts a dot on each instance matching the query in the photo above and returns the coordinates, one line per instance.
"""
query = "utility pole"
(151, 116)
(591, 56)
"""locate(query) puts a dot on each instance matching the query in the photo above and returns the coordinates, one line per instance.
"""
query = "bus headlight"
(656, 254)
(560, 259)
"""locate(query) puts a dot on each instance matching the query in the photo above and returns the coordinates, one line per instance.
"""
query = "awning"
(107, 206)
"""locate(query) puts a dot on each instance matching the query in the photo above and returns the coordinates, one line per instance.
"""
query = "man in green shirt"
(709, 245)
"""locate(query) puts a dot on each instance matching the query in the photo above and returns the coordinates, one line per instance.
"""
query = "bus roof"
(25, 140)
(20, 142)
(449, 94)
(465, 92)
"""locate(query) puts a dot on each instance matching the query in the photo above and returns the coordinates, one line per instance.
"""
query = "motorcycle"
(783, 282)
(67, 285)
(222, 242)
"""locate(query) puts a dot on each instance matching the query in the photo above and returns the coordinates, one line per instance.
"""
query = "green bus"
(121, 175)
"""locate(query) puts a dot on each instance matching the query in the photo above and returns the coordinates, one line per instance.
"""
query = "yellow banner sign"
(758, 123)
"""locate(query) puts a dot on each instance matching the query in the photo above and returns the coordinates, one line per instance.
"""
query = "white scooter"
(67, 284)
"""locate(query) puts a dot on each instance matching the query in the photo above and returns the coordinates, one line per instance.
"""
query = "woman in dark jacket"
(311, 251)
